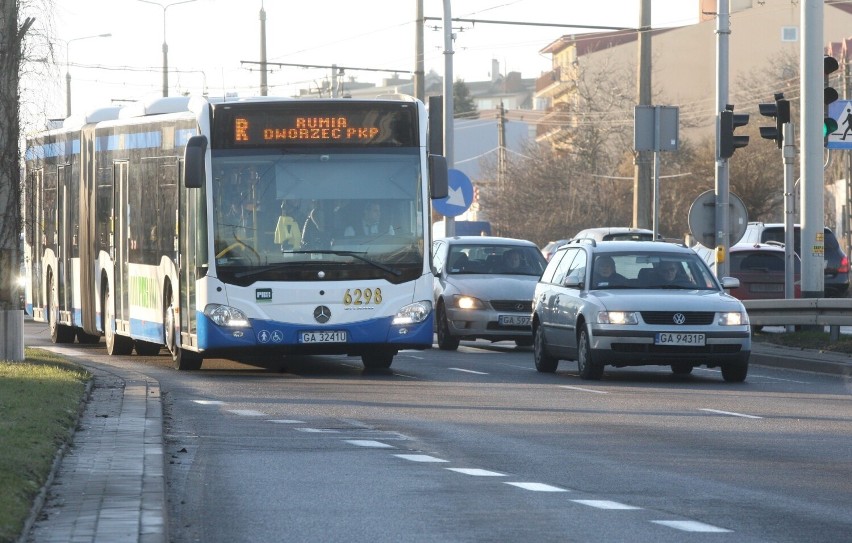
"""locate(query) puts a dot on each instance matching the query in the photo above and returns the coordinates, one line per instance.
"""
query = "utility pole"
(263, 84)
(723, 33)
(812, 145)
(501, 147)
(419, 83)
(450, 222)
(642, 188)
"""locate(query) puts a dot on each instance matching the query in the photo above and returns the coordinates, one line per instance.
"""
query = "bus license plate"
(669, 338)
(323, 336)
(513, 320)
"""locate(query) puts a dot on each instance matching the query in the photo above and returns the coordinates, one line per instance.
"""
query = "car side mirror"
(730, 282)
(573, 281)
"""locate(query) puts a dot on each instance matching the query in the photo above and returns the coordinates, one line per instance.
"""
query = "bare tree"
(11, 38)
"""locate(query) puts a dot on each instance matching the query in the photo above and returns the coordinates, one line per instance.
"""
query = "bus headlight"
(413, 313)
(226, 316)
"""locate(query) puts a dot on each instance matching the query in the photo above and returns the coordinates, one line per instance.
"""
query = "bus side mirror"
(438, 175)
(193, 162)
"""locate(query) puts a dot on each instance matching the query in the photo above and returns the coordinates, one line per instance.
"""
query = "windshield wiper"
(353, 254)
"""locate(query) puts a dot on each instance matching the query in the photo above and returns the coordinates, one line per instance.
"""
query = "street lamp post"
(68, 68)
(164, 7)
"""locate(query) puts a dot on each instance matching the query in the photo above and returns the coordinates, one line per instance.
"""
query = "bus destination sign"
(374, 125)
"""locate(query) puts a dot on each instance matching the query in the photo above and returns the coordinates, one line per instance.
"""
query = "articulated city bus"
(251, 228)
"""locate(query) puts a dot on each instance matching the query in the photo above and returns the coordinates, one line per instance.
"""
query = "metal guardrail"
(798, 311)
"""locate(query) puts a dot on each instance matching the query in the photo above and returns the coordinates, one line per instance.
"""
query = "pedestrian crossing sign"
(840, 111)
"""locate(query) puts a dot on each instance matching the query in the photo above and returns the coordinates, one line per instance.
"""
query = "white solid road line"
(731, 413)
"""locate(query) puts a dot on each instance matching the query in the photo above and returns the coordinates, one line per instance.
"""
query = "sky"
(212, 43)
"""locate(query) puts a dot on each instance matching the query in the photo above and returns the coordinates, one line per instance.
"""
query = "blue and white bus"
(231, 228)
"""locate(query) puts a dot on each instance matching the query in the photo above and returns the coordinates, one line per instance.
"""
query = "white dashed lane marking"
(538, 487)
(581, 389)
(369, 443)
(690, 526)
(605, 504)
(318, 430)
(247, 413)
(477, 472)
(286, 421)
(731, 413)
(208, 402)
(420, 458)
(468, 371)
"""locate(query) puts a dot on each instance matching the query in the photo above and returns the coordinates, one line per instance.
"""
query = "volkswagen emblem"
(322, 314)
(678, 318)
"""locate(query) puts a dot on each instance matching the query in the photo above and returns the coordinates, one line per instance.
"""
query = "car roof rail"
(774, 243)
(587, 241)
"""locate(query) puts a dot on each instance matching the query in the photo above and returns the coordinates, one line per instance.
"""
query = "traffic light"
(780, 110)
(829, 125)
(728, 142)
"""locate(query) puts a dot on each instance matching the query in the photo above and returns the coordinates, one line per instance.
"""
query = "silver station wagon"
(634, 303)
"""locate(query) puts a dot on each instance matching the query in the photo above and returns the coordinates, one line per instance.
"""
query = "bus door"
(63, 247)
(38, 239)
(122, 245)
(190, 238)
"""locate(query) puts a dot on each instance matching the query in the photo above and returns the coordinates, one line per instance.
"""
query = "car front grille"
(679, 350)
(668, 317)
(521, 306)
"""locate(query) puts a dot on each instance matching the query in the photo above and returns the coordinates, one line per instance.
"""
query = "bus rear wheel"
(116, 345)
(59, 333)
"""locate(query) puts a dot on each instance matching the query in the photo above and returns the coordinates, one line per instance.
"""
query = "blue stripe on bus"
(53, 150)
(262, 333)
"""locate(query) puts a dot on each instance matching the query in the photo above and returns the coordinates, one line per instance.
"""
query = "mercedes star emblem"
(322, 314)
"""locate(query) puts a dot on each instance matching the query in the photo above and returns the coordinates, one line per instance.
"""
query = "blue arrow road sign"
(841, 111)
(460, 195)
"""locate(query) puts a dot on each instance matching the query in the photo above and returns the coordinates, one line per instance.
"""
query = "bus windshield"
(345, 213)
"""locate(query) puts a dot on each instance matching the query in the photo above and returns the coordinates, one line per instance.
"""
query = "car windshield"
(649, 270)
(495, 259)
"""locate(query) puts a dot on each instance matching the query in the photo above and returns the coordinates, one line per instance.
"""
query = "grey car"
(633, 303)
(483, 289)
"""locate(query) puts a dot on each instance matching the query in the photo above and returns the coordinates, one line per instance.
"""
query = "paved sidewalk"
(109, 486)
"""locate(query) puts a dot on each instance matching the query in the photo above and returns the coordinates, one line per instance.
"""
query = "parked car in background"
(637, 303)
(836, 269)
(483, 289)
(615, 233)
(551, 246)
(760, 269)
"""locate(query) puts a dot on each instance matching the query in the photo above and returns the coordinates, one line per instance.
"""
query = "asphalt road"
(475, 445)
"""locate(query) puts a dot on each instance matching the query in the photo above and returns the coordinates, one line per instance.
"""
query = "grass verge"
(39, 405)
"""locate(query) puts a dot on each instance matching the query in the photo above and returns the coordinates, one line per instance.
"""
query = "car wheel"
(446, 342)
(588, 368)
(734, 373)
(543, 361)
(682, 368)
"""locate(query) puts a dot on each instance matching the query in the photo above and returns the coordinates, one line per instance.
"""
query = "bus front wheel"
(379, 360)
(182, 359)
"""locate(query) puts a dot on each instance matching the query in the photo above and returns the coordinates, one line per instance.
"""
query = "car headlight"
(618, 317)
(467, 302)
(226, 316)
(733, 318)
(413, 313)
